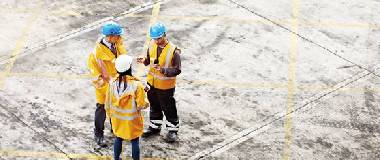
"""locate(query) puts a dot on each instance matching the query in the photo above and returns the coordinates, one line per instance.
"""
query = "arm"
(97, 70)
(144, 60)
(141, 99)
(108, 101)
(147, 59)
(176, 63)
(93, 66)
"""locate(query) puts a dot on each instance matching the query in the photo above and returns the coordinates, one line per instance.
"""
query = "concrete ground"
(285, 79)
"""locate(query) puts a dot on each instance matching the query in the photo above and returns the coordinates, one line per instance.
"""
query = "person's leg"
(117, 147)
(168, 103)
(100, 117)
(155, 114)
(135, 149)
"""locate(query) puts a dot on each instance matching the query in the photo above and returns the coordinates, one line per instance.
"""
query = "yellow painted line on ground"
(237, 84)
(199, 18)
(153, 19)
(56, 155)
(291, 82)
(17, 10)
(62, 13)
(319, 24)
(218, 83)
(52, 75)
(302, 23)
(20, 43)
(316, 88)
(65, 13)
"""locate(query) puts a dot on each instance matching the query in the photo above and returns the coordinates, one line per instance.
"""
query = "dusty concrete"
(235, 76)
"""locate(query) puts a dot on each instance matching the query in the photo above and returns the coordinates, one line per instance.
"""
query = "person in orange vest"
(101, 66)
(165, 64)
(125, 99)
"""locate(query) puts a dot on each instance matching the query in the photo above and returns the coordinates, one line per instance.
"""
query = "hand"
(146, 89)
(140, 59)
(157, 67)
(98, 83)
(105, 77)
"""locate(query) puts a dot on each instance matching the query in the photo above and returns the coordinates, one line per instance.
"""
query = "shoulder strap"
(169, 54)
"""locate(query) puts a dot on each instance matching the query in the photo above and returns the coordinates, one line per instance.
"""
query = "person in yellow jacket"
(124, 101)
(101, 65)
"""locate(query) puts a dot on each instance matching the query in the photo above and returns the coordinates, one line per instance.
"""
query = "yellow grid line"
(291, 82)
(20, 43)
(17, 10)
(56, 155)
(339, 24)
(264, 85)
(153, 19)
(197, 18)
(62, 13)
(237, 84)
(304, 23)
(52, 75)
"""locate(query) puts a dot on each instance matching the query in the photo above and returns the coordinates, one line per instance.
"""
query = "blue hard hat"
(157, 30)
(112, 28)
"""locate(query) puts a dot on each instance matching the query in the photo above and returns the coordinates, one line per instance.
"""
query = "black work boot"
(100, 141)
(171, 137)
(150, 132)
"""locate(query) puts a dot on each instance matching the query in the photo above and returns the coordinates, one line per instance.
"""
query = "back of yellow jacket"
(124, 108)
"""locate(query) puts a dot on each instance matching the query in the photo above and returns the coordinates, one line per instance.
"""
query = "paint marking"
(248, 133)
(40, 154)
(79, 31)
(153, 19)
(288, 124)
(218, 83)
(302, 23)
(20, 43)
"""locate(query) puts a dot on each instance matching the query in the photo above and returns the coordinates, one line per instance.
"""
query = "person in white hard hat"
(125, 99)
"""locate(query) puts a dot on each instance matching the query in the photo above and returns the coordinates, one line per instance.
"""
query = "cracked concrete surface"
(234, 79)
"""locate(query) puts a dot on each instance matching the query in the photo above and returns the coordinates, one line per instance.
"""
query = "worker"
(124, 101)
(101, 65)
(165, 64)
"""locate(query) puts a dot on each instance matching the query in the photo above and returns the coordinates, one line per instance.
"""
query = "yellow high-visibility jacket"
(100, 59)
(155, 77)
(124, 108)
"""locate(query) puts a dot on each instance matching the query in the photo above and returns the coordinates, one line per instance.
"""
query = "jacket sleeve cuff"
(163, 71)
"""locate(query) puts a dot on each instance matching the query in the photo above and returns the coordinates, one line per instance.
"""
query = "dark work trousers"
(163, 103)
(118, 145)
(100, 117)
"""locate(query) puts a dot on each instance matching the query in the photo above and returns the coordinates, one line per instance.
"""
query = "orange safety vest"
(155, 78)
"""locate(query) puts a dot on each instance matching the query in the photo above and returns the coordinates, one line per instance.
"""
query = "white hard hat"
(123, 63)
